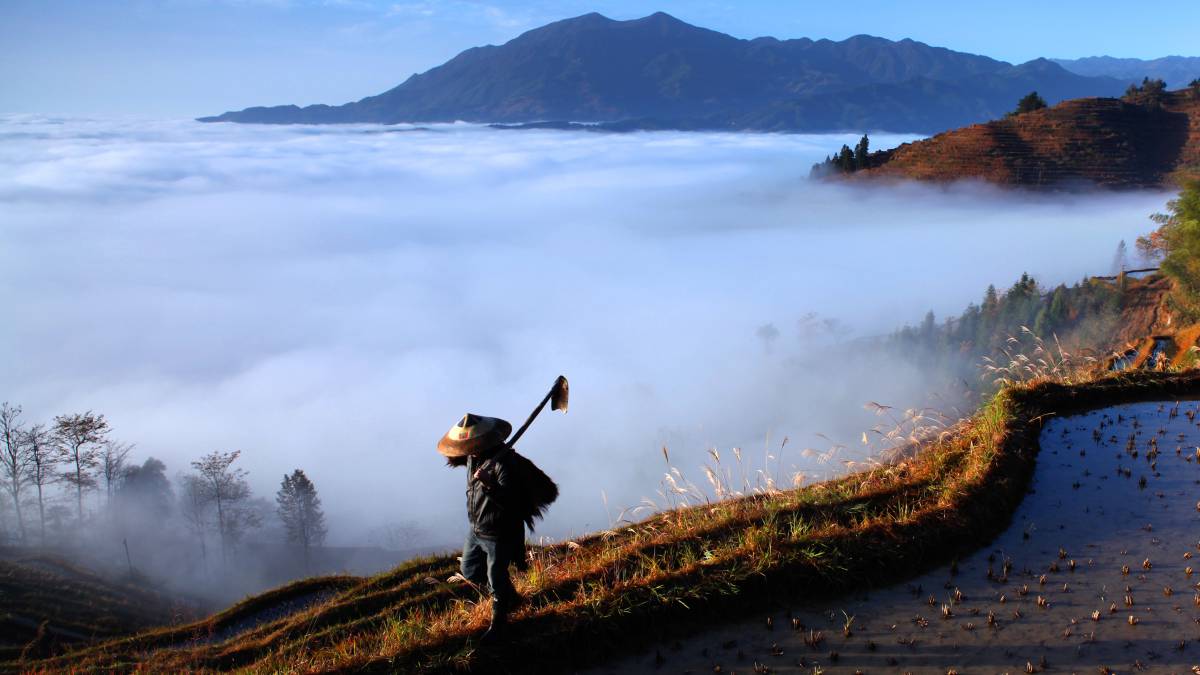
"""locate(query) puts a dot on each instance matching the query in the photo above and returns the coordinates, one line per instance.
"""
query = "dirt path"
(1087, 506)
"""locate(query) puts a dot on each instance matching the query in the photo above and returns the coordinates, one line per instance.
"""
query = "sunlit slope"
(1102, 141)
(662, 577)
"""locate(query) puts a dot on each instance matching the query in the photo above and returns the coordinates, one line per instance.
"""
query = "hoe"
(557, 398)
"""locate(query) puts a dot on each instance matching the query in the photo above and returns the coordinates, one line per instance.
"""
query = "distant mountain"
(1090, 141)
(1176, 71)
(659, 72)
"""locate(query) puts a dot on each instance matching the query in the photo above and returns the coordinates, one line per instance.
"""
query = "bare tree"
(112, 464)
(194, 507)
(14, 458)
(79, 438)
(3, 522)
(300, 511)
(40, 446)
(228, 491)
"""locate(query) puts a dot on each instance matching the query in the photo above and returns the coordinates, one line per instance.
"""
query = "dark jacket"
(493, 501)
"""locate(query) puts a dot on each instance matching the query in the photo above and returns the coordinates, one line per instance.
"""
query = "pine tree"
(1058, 313)
(862, 153)
(300, 510)
(989, 313)
(1120, 259)
(1030, 102)
(1153, 87)
(1180, 229)
(928, 326)
(1151, 91)
(1041, 323)
(846, 159)
(990, 300)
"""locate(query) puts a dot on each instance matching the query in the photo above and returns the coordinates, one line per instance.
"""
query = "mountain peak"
(589, 20)
(590, 17)
(1039, 65)
(661, 17)
(659, 70)
(658, 20)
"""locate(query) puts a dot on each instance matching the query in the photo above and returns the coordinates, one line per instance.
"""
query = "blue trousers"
(485, 563)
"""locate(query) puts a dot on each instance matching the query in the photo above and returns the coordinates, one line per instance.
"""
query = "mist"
(334, 298)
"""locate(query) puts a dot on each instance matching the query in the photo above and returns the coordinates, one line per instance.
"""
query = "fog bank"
(334, 298)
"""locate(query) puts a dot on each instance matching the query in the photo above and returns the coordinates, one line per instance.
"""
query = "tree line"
(1082, 316)
(846, 160)
(1176, 243)
(1149, 92)
(54, 471)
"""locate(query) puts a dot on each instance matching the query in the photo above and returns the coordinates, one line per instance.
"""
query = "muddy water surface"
(1093, 574)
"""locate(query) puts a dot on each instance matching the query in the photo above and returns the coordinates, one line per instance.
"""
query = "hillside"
(48, 605)
(659, 72)
(1098, 141)
(660, 578)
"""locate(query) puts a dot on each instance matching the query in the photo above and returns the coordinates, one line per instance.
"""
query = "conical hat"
(472, 434)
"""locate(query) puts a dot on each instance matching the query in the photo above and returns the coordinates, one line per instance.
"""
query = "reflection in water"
(1096, 571)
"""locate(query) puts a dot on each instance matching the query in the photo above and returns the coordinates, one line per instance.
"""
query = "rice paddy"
(678, 572)
(1093, 574)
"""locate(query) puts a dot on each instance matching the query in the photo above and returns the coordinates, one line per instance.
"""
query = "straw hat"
(472, 434)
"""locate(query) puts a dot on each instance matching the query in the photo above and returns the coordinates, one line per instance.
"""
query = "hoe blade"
(560, 394)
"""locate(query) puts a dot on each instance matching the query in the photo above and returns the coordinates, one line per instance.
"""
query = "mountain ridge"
(1177, 71)
(675, 75)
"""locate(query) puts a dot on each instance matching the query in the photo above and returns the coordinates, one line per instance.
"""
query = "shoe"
(491, 635)
(498, 627)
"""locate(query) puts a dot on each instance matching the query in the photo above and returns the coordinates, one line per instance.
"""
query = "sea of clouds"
(334, 298)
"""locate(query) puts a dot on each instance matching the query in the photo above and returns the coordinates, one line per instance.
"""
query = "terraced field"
(1100, 141)
(660, 579)
(1095, 574)
(48, 605)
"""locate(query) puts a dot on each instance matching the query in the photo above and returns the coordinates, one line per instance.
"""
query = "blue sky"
(193, 57)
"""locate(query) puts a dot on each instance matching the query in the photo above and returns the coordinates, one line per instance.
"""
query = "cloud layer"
(333, 299)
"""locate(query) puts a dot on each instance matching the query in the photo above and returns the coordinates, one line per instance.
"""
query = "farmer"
(503, 494)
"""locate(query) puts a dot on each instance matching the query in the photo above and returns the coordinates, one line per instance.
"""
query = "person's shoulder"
(511, 460)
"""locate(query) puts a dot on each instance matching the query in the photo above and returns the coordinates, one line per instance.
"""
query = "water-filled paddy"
(1098, 505)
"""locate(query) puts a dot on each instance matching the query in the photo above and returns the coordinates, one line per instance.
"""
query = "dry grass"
(1187, 347)
(699, 563)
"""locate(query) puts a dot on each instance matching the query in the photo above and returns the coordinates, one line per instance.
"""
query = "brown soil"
(1101, 141)
(1146, 319)
(1145, 312)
